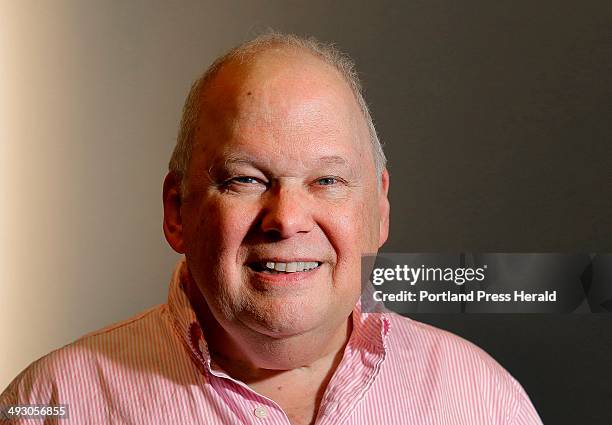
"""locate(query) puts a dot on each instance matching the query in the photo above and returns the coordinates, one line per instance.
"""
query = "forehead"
(280, 97)
(274, 75)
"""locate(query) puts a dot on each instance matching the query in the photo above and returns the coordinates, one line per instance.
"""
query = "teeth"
(296, 266)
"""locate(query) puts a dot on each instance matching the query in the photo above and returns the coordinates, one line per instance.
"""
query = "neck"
(252, 360)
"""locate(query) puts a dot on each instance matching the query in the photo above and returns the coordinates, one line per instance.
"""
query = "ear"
(383, 207)
(173, 224)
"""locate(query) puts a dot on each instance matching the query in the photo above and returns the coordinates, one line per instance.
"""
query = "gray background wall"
(496, 119)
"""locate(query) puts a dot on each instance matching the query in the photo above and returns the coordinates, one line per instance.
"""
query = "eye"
(327, 181)
(244, 180)
(244, 184)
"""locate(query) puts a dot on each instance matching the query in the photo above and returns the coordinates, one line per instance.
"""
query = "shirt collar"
(370, 330)
(184, 317)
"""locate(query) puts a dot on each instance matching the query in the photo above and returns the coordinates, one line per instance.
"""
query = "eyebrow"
(333, 159)
(241, 159)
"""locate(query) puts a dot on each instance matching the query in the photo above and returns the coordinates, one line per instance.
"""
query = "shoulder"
(454, 368)
(418, 339)
(77, 367)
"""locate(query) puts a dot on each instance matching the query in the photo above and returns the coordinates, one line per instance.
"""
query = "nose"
(287, 212)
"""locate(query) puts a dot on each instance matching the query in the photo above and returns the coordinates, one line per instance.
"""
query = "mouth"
(277, 267)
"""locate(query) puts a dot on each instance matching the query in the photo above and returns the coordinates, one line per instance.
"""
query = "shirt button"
(261, 412)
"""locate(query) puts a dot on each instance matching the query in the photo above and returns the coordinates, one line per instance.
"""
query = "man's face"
(282, 197)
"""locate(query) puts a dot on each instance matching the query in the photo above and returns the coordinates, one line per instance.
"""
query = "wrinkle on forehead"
(233, 159)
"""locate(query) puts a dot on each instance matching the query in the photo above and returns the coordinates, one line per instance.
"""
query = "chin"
(282, 326)
(285, 319)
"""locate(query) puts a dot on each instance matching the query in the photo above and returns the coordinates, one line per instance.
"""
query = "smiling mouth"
(272, 267)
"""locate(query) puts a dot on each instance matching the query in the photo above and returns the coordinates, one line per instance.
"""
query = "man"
(277, 187)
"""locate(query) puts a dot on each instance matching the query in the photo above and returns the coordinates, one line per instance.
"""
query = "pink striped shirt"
(155, 369)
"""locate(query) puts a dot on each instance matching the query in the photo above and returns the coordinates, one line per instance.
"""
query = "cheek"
(354, 230)
(219, 225)
(352, 233)
(215, 232)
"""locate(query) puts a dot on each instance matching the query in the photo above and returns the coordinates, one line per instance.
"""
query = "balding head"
(250, 60)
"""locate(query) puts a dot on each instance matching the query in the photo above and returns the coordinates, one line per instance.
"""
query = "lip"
(283, 260)
(284, 278)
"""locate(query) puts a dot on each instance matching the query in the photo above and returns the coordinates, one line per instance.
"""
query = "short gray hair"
(328, 53)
